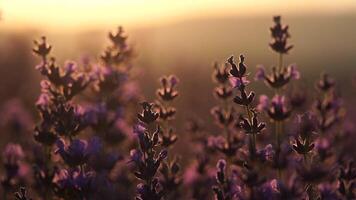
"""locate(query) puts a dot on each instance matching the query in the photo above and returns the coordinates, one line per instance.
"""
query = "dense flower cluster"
(89, 143)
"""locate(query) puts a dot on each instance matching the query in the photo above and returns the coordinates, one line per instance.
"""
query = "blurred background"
(181, 37)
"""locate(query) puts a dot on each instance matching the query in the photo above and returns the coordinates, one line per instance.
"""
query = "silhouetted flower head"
(220, 74)
(280, 36)
(168, 92)
(306, 128)
(307, 125)
(239, 70)
(148, 115)
(22, 194)
(330, 111)
(42, 48)
(277, 109)
(165, 112)
(223, 117)
(278, 78)
(253, 126)
(238, 73)
(168, 139)
(170, 179)
(223, 92)
(325, 83)
(119, 52)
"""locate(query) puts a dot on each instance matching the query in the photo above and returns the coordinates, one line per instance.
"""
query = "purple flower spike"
(261, 73)
(78, 151)
(263, 103)
(279, 102)
(12, 154)
(293, 71)
(221, 165)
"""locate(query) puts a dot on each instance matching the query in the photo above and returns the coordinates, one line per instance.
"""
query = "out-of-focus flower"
(222, 117)
(278, 78)
(325, 83)
(12, 154)
(227, 185)
(74, 184)
(314, 173)
(220, 74)
(78, 151)
(12, 158)
(277, 110)
(263, 103)
(15, 118)
(280, 36)
(267, 153)
(260, 73)
(298, 98)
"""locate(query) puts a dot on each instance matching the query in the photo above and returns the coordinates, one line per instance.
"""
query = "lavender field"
(191, 112)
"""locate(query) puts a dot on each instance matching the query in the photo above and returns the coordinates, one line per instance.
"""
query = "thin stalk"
(278, 150)
(280, 62)
(226, 128)
(252, 136)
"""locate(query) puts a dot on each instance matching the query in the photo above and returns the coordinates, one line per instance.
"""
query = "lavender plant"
(145, 158)
(278, 110)
(88, 142)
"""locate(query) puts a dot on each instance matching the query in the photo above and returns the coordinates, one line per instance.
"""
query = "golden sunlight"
(81, 14)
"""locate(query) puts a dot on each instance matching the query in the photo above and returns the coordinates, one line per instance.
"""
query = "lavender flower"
(12, 158)
(22, 194)
(280, 36)
(168, 92)
(146, 161)
(227, 187)
(78, 151)
(74, 184)
(307, 127)
(277, 109)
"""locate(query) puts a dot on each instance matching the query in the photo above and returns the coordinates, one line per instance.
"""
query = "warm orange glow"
(80, 14)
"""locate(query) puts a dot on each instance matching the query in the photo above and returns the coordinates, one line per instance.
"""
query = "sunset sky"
(81, 14)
